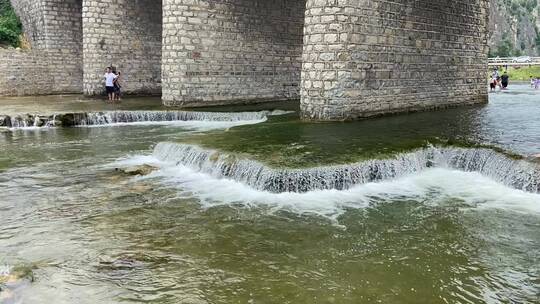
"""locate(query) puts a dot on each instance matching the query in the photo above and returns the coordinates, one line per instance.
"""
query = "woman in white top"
(109, 83)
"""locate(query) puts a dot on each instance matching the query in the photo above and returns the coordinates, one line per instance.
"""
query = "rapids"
(212, 120)
(518, 174)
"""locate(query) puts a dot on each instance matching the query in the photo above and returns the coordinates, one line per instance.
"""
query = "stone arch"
(231, 51)
(54, 30)
(125, 34)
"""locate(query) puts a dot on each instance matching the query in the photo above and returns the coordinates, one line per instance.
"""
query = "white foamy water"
(433, 186)
(31, 122)
(189, 125)
(188, 120)
(184, 119)
(517, 174)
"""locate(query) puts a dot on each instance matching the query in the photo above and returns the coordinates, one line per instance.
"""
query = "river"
(260, 207)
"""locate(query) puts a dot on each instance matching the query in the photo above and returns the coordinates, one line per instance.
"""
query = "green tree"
(10, 25)
(504, 49)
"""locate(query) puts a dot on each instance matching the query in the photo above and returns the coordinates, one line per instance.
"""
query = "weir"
(343, 61)
(130, 117)
(106, 118)
(518, 174)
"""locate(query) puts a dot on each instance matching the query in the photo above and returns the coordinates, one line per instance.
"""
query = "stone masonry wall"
(63, 43)
(54, 63)
(127, 35)
(24, 73)
(365, 58)
(227, 51)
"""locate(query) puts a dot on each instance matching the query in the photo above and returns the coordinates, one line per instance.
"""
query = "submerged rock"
(120, 263)
(8, 278)
(534, 158)
(141, 188)
(5, 121)
(140, 170)
(12, 281)
(17, 274)
(66, 120)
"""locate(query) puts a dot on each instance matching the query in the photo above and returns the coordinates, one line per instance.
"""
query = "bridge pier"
(125, 34)
(369, 58)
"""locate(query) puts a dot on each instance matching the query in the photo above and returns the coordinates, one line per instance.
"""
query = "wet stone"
(14, 279)
(140, 170)
(5, 121)
(534, 158)
(124, 263)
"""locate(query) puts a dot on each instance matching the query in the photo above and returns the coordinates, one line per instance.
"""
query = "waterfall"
(28, 121)
(115, 117)
(518, 174)
(131, 117)
(51, 123)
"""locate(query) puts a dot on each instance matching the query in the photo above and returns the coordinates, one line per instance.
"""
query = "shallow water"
(509, 122)
(95, 235)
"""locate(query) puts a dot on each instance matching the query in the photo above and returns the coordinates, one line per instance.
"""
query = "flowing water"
(258, 207)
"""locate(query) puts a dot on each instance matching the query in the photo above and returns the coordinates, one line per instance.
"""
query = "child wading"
(505, 80)
(109, 83)
(117, 87)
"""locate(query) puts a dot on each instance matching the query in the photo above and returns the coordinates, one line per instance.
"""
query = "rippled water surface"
(92, 234)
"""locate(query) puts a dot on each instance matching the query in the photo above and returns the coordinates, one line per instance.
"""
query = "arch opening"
(234, 51)
(126, 35)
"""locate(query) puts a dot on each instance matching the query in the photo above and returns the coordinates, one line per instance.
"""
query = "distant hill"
(514, 28)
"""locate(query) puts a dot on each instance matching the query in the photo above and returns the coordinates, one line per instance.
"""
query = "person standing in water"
(117, 87)
(504, 80)
(494, 80)
(109, 83)
(495, 73)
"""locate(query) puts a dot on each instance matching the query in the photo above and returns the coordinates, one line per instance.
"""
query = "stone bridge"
(344, 59)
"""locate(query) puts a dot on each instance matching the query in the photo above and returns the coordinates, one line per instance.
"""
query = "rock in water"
(534, 158)
(140, 170)
(5, 121)
(13, 280)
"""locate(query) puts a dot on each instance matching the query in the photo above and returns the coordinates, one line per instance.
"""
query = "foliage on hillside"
(10, 25)
(518, 25)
